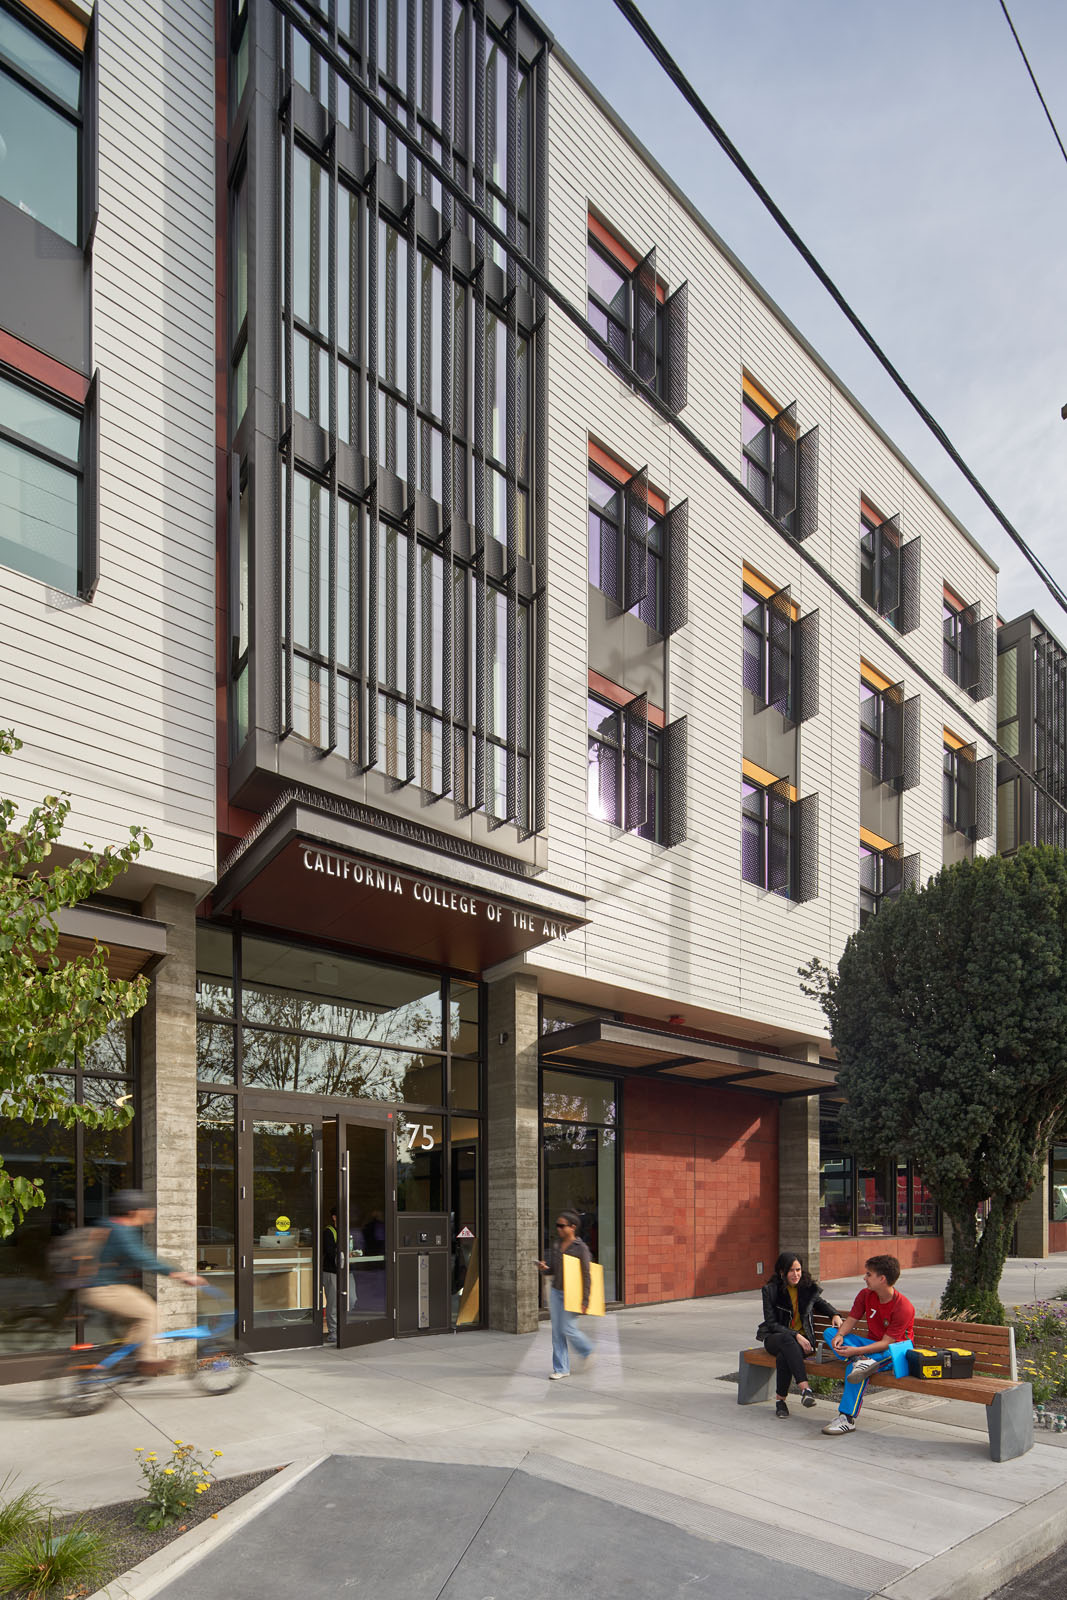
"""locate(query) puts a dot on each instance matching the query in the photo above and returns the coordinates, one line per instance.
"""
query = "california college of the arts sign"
(424, 892)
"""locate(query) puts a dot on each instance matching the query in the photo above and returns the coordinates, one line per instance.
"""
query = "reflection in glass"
(463, 1019)
(568, 1097)
(579, 1175)
(214, 967)
(215, 1210)
(283, 1212)
(368, 1276)
(215, 1053)
(39, 171)
(112, 1052)
(466, 1262)
(420, 1163)
(32, 1309)
(307, 1065)
(316, 991)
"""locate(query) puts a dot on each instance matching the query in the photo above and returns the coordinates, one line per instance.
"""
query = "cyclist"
(115, 1287)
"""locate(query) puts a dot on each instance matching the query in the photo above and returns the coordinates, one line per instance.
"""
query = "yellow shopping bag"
(572, 1286)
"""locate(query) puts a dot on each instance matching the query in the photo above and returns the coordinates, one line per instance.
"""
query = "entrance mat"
(416, 1530)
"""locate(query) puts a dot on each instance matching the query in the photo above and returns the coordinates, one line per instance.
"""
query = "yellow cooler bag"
(940, 1363)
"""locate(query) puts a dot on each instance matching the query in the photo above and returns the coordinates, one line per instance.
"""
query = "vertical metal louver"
(966, 789)
(675, 528)
(985, 778)
(780, 651)
(806, 521)
(806, 848)
(89, 575)
(887, 555)
(779, 836)
(645, 310)
(976, 653)
(892, 733)
(909, 765)
(635, 539)
(674, 758)
(898, 870)
(635, 763)
(676, 334)
(806, 667)
(784, 428)
(907, 617)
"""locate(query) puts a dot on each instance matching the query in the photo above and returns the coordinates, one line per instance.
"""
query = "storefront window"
(557, 1014)
(580, 1163)
(216, 1217)
(466, 1246)
(420, 1163)
(315, 991)
(1057, 1189)
(835, 1196)
(868, 1200)
(303, 1064)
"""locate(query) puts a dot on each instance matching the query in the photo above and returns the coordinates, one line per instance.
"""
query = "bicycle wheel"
(219, 1371)
(84, 1387)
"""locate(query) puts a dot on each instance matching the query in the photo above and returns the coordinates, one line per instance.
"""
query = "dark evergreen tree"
(948, 1012)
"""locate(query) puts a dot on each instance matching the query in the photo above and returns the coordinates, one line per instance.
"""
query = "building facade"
(584, 660)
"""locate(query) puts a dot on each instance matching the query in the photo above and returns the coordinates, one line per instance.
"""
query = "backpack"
(74, 1257)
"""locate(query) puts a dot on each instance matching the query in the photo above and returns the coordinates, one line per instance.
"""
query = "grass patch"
(20, 1512)
(45, 1558)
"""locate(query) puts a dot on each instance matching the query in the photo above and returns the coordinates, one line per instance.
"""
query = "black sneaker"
(780, 1408)
(807, 1398)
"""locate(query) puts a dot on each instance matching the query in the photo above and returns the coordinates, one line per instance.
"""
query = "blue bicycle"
(94, 1374)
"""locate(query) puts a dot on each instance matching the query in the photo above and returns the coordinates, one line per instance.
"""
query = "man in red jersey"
(890, 1319)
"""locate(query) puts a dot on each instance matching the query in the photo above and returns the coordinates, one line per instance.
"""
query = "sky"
(906, 144)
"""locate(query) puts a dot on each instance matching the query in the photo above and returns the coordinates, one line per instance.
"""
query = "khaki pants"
(134, 1307)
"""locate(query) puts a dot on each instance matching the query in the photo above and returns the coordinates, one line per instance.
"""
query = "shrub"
(1045, 1319)
(1047, 1375)
(982, 1305)
(41, 1559)
(172, 1486)
(20, 1512)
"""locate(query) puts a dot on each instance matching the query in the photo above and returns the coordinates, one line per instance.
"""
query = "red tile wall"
(1057, 1236)
(700, 1173)
(844, 1258)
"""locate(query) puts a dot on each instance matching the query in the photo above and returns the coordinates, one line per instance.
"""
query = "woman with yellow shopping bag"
(565, 1329)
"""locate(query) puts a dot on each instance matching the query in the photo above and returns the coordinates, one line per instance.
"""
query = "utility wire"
(681, 82)
(302, 21)
(1033, 80)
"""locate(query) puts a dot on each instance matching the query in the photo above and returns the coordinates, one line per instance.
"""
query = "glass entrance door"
(280, 1204)
(365, 1244)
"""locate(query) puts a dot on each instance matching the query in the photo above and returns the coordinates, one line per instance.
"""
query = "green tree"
(49, 1007)
(948, 1011)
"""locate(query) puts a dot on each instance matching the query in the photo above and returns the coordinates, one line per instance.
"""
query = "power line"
(655, 45)
(307, 28)
(1033, 80)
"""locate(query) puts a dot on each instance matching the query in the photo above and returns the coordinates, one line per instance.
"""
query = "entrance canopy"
(647, 1052)
(316, 871)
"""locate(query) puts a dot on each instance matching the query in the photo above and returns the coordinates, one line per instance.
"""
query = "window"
(968, 648)
(889, 731)
(779, 467)
(40, 115)
(638, 550)
(580, 1163)
(867, 1201)
(884, 874)
(967, 789)
(952, 807)
(47, 529)
(643, 325)
(889, 570)
(779, 837)
(625, 781)
(780, 651)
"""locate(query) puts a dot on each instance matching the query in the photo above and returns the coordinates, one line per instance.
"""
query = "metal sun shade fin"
(785, 462)
(780, 648)
(676, 336)
(911, 744)
(538, 755)
(887, 557)
(635, 763)
(909, 871)
(907, 618)
(646, 311)
(985, 777)
(675, 533)
(89, 491)
(967, 795)
(674, 748)
(369, 741)
(514, 672)
(779, 833)
(968, 623)
(635, 539)
(986, 653)
(807, 518)
(806, 667)
(892, 868)
(806, 848)
(892, 733)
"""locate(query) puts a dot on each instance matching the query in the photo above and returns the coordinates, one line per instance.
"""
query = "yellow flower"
(177, 1441)
(151, 1456)
(169, 1471)
(200, 1488)
(138, 1450)
(216, 1452)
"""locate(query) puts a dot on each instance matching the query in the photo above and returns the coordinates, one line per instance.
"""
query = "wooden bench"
(1009, 1404)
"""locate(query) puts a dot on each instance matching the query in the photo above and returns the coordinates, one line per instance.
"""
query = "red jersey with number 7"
(895, 1318)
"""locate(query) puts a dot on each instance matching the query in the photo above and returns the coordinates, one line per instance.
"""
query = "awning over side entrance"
(314, 871)
(648, 1052)
(133, 943)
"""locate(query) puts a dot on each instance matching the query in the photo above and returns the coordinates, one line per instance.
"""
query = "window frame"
(82, 470)
(82, 119)
(952, 638)
(602, 242)
(652, 828)
(950, 784)
(652, 607)
(751, 461)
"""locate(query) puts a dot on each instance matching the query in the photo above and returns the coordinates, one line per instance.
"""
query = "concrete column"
(168, 1099)
(798, 1179)
(513, 1280)
(1033, 1221)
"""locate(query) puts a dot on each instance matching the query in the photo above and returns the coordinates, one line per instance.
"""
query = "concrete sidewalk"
(910, 1505)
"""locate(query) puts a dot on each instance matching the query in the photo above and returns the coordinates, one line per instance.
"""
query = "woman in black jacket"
(790, 1301)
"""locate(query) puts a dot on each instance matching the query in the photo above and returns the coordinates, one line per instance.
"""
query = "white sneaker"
(864, 1367)
(554, 1375)
(841, 1424)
